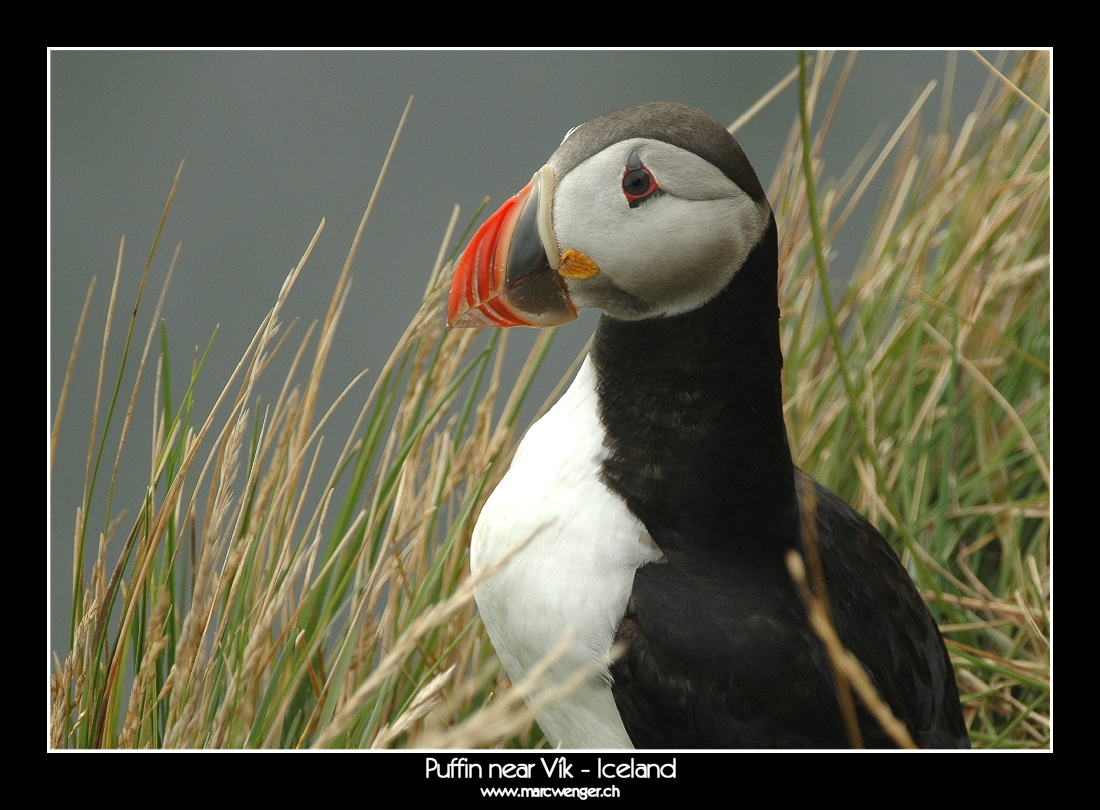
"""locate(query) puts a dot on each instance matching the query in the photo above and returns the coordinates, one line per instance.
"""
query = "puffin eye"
(639, 184)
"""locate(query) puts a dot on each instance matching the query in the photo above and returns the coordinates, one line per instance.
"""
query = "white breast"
(576, 572)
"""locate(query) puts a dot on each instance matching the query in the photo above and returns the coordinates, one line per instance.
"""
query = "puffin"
(634, 554)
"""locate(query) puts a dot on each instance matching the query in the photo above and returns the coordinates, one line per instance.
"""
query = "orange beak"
(505, 277)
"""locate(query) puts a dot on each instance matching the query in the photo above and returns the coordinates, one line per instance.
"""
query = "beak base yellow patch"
(575, 264)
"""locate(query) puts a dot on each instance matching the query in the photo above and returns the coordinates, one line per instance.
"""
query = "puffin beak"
(507, 276)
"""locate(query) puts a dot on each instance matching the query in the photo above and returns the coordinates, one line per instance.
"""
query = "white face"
(674, 251)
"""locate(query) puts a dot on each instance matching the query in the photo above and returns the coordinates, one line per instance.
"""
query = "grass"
(260, 601)
(936, 425)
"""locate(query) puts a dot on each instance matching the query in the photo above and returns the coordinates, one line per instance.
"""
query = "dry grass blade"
(846, 667)
(69, 373)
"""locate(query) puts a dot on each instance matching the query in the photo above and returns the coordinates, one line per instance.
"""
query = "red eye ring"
(639, 184)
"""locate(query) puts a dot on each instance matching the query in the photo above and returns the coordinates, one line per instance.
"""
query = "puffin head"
(645, 212)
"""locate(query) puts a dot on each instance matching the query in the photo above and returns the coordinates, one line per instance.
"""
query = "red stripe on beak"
(480, 278)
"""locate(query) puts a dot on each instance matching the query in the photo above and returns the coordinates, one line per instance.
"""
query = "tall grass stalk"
(260, 601)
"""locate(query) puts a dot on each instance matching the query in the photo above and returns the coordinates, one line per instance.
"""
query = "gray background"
(275, 141)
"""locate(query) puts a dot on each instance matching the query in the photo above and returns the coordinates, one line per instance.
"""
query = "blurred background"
(275, 141)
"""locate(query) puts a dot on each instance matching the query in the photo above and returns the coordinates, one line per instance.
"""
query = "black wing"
(724, 657)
